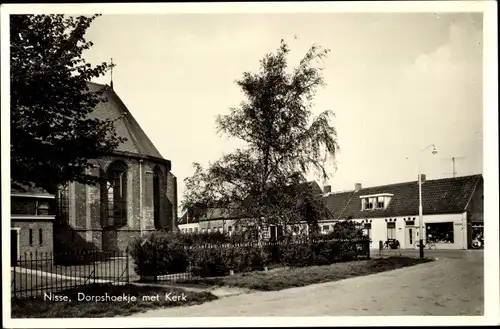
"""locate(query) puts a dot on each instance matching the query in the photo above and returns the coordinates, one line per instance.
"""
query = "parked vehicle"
(392, 244)
(477, 242)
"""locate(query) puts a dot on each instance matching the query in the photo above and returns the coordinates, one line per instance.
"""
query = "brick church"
(140, 195)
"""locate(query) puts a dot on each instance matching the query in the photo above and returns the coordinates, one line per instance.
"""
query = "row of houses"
(452, 213)
(138, 194)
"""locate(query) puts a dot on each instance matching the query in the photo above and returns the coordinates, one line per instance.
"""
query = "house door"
(272, 231)
(13, 247)
(276, 232)
(410, 237)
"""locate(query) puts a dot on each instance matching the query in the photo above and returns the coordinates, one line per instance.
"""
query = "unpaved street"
(448, 286)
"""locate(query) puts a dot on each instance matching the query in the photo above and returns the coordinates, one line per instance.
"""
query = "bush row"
(167, 253)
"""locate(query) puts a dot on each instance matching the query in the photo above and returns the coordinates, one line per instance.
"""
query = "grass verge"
(298, 277)
(41, 307)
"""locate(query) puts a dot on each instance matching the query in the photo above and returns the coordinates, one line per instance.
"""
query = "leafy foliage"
(348, 230)
(212, 254)
(52, 136)
(265, 180)
(203, 238)
(159, 253)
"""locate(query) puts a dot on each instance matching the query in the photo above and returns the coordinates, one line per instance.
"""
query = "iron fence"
(219, 259)
(47, 273)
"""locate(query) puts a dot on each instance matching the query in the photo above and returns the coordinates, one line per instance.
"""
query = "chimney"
(357, 187)
(423, 178)
(327, 189)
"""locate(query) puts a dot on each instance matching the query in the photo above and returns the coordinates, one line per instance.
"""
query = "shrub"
(159, 253)
(192, 239)
(246, 258)
(318, 252)
(346, 230)
(218, 260)
(296, 254)
(208, 262)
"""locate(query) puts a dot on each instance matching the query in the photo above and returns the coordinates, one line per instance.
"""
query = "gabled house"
(452, 210)
(138, 192)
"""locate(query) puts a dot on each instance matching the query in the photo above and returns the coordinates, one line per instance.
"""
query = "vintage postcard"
(250, 164)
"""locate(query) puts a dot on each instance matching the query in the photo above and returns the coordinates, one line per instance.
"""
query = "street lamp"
(420, 208)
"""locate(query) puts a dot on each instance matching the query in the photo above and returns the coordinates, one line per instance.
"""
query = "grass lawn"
(297, 277)
(40, 308)
(29, 284)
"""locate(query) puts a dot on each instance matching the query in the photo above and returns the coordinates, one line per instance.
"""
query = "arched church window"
(116, 194)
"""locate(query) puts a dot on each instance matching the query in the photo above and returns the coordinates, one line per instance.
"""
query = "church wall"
(89, 213)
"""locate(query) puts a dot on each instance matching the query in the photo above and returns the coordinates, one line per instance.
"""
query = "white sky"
(397, 82)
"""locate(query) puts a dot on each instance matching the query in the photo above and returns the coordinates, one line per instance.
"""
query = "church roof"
(125, 124)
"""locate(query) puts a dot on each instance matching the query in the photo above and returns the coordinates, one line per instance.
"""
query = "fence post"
(155, 266)
(14, 281)
(94, 261)
(127, 264)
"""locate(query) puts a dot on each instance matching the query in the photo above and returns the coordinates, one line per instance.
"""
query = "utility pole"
(453, 162)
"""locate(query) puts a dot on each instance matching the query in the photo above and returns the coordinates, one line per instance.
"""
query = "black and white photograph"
(259, 164)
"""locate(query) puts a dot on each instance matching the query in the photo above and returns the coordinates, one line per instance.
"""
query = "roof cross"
(112, 65)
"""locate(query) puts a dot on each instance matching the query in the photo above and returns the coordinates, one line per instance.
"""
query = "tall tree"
(265, 180)
(52, 136)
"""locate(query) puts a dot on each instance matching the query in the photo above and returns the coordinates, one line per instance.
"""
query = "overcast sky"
(396, 82)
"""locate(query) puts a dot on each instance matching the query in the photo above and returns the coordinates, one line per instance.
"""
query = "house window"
(40, 236)
(265, 233)
(190, 230)
(380, 202)
(116, 194)
(440, 232)
(296, 229)
(410, 223)
(375, 202)
(229, 228)
(368, 204)
(195, 230)
(391, 230)
(42, 207)
(326, 228)
(367, 230)
(31, 237)
(62, 214)
(276, 232)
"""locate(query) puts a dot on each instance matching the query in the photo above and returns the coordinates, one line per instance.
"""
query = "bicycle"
(429, 244)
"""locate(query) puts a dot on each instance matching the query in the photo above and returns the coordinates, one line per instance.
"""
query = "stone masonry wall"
(90, 215)
(37, 246)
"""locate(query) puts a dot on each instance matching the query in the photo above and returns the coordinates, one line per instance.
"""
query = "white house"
(452, 211)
